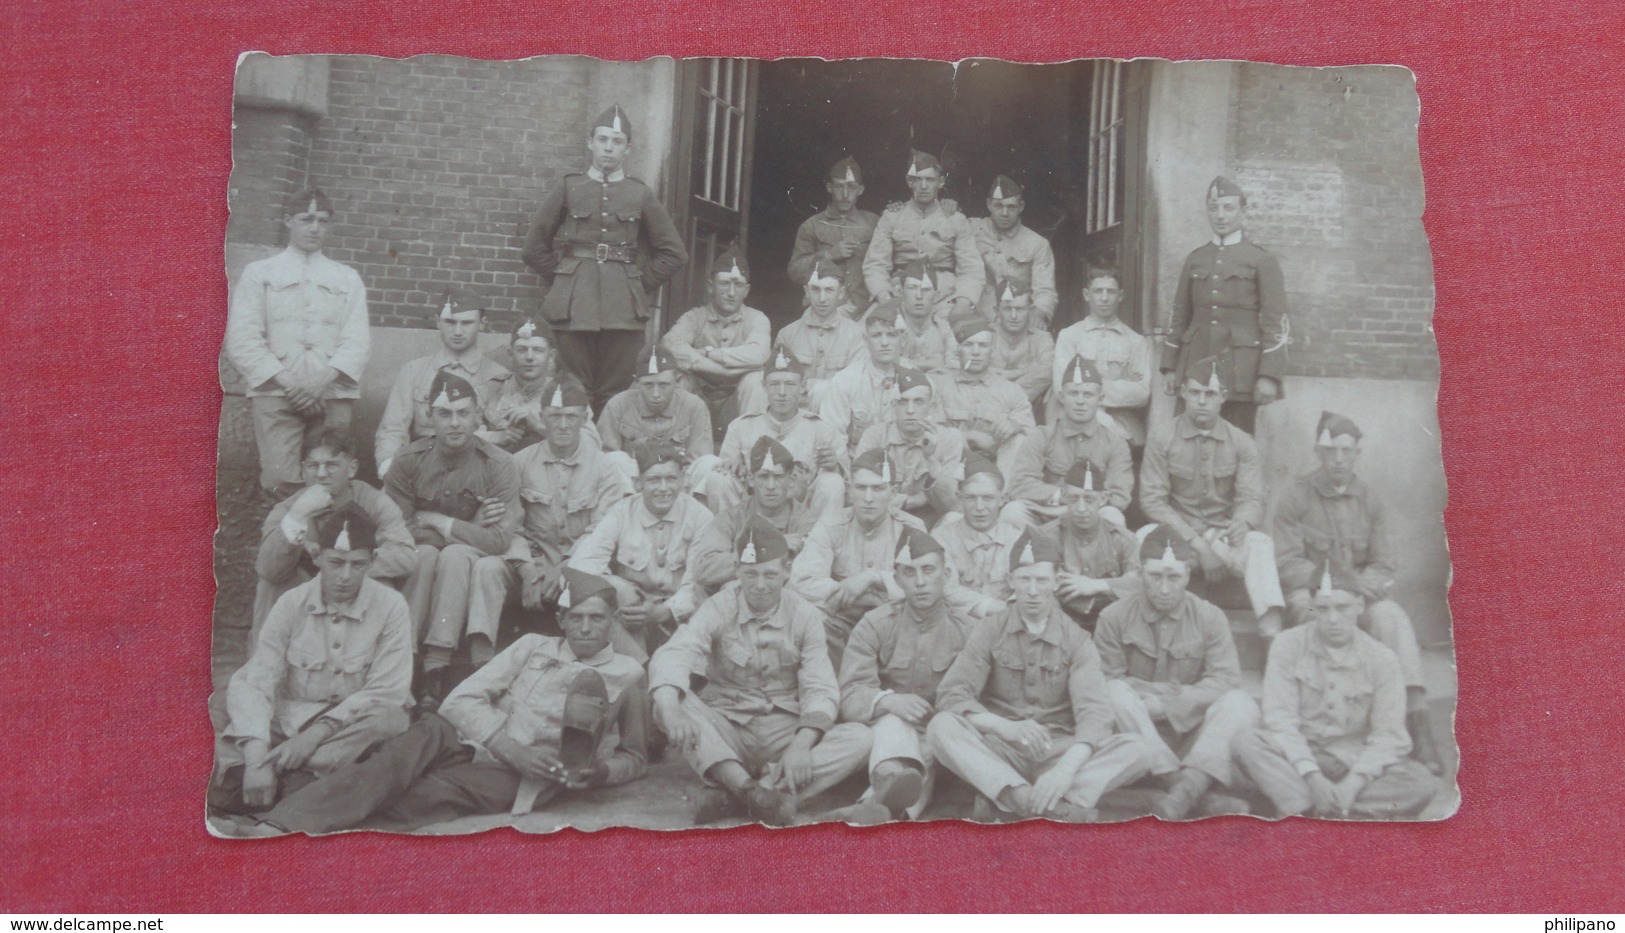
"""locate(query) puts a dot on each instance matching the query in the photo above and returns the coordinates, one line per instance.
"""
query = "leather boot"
(1423, 748)
(1183, 796)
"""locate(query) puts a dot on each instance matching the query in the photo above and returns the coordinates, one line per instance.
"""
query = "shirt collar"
(1230, 240)
(712, 315)
(1188, 428)
(316, 606)
(1087, 429)
(810, 319)
(604, 655)
(1323, 484)
(1052, 628)
(649, 519)
(1014, 232)
(469, 363)
(929, 619)
(895, 438)
(548, 456)
(596, 175)
(775, 619)
(1115, 324)
(1346, 656)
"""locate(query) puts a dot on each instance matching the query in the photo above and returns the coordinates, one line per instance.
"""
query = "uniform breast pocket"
(629, 224)
(1185, 662)
(283, 301)
(331, 302)
(353, 672)
(307, 673)
(634, 554)
(1317, 544)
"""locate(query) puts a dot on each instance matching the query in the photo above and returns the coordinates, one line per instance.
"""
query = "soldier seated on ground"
(1174, 680)
(928, 338)
(894, 662)
(929, 458)
(642, 546)
(513, 412)
(978, 538)
(992, 412)
(329, 677)
(407, 414)
(460, 498)
(566, 486)
(819, 450)
(546, 716)
(762, 731)
(1049, 452)
(1332, 742)
(1203, 480)
(717, 345)
(1333, 515)
(1022, 353)
(1099, 560)
(772, 489)
(287, 555)
(1023, 715)
(657, 409)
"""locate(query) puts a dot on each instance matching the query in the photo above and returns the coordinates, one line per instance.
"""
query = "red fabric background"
(119, 117)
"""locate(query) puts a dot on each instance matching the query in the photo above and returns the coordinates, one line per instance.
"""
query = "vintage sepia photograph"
(690, 443)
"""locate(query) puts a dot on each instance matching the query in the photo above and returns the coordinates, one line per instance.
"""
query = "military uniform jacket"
(301, 313)
(1112, 555)
(711, 562)
(1187, 657)
(646, 551)
(1348, 703)
(895, 649)
(825, 348)
(802, 436)
(514, 405)
(1027, 362)
(753, 665)
(686, 423)
(987, 402)
(825, 229)
(586, 229)
(1046, 454)
(1052, 678)
(424, 479)
(1231, 305)
(1315, 521)
(564, 499)
(1022, 255)
(315, 660)
(932, 346)
(1192, 480)
(941, 236)
(283, 558)
(406, 413)
(980, 558)
(520, 693)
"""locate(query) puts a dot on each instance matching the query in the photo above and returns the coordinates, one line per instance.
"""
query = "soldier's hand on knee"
(906, 706)
(1237, 532)
(492, 511)
(1049, 788)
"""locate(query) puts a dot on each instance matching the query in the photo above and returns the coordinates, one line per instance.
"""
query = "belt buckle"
(602, 252)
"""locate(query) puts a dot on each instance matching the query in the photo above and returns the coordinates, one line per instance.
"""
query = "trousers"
(495, 585)
(1205, 748)
(896, 740)
(1401, 790)
(762, 739)
(992, 765)
(1253, 561)
(279, 433)
(1386, 621)
(602, 359)
(424, 775)
(437, 594)
(352, 741)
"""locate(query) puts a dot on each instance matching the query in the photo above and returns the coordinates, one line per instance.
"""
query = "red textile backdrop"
(119, 119)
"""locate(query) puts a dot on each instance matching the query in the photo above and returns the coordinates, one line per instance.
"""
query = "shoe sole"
(900, 791)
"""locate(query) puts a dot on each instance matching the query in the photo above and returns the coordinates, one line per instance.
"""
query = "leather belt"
(604, 252)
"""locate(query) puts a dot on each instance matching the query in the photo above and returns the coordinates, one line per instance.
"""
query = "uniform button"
(337, 645)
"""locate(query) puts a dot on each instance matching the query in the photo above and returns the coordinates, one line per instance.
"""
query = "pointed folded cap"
(782, 360)
(885, 312)
(655, 361)
(1331, 578)
(913, 544)
(846, 170)
(651, 454)
(1162, 544)
(967, 327)
(530, 327)
(759, 542)
(1033, 547)
(615, 119)
(459, 298)
(1208, 373)
(911, 379)
(1010, 289)
(446, 388)
(731, 262)
(920, 161)
(823, 270)
(565, 392)
(1222, 187)
(1333, 425)
(1004, 187)
(1084, 475)
(347, 529)
(578, 586)
(310, 200)
(875, 461)
(919, 270)
(1080, 372)
(976, 463)
(769, 453)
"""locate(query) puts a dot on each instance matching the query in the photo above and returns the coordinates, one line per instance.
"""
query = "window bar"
(1112, 207)
(739, 138)
(710, 130)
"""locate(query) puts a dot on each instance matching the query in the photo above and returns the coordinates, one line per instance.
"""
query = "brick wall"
(269, 151)
(435, 166)
(1329, 161)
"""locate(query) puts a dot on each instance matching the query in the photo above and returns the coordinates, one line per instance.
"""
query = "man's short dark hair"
(1097, 269)
(337, 440)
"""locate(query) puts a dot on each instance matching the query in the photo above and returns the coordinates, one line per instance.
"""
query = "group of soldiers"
(911, 532)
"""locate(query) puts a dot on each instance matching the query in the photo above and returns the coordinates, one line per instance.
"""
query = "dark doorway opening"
(1047, 126)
